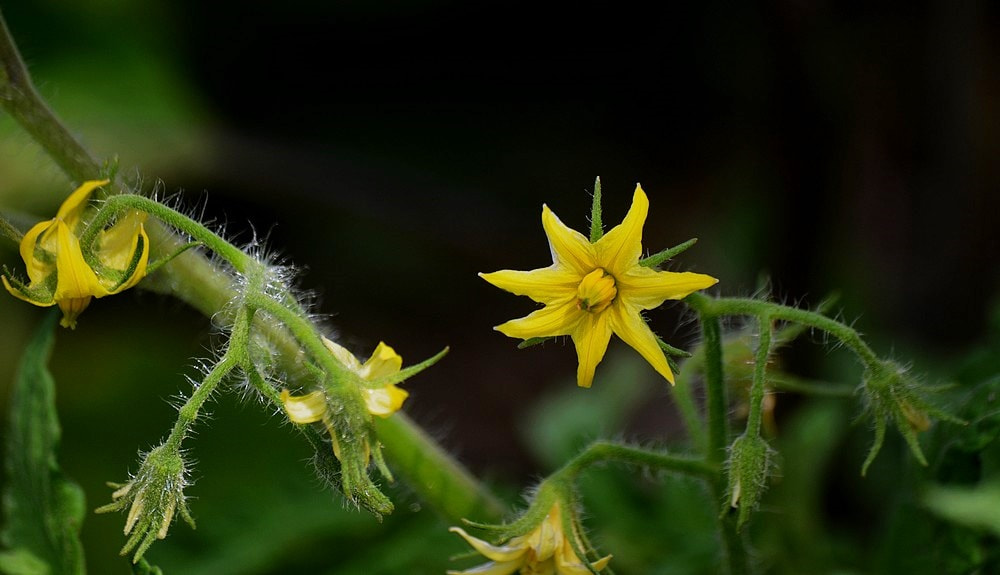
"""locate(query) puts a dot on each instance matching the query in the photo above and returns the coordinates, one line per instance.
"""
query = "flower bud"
(152, 497)
(749, 466)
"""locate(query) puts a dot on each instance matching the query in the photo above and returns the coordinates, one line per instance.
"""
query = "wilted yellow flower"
(592, 290)
(58, 271)
(383, 402)
(545, 550)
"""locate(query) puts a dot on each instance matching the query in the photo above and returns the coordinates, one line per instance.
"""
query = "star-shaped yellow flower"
(546, 550)
(57, 269)
(592, 290)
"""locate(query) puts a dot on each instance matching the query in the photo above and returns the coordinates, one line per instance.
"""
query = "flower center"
(596, 291)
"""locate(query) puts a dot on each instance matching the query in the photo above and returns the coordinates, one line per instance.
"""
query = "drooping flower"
(592, 290)
(59, 271)
(545, 550)
(383, 402)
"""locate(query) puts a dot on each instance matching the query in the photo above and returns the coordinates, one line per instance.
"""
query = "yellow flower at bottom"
(592, 290)
(545, 550)
(58, 272)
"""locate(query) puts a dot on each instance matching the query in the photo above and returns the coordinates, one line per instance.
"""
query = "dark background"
(392, 150)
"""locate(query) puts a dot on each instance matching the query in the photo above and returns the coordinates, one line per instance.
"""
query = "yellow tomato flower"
(592, 290)
(383, 402)
(59, 273)
(546, 550)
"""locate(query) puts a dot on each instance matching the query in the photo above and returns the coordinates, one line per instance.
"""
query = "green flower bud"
(749, 467)
(152, 497)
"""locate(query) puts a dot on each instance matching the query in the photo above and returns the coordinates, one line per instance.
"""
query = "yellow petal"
(308, 408)
(543, 285)
(71, 209)
(569, 247)
(619, 249)
(38, 270)
(140, 268)
(630, 327)
(116, 245)
(568, 563)
(491, 568)
(591, 338)
(343, 356)
(384, 361)
(547, 538)
(24, 296)
(500, 553)
(646, 289)
(386, 401)
(558, 318)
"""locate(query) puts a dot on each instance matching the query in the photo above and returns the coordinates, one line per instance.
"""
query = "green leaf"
(43, 510)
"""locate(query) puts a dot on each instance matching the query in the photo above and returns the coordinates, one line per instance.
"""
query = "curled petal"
(630, 327)
(308, 408)
(591, 339)
(71, 209)
(646, 289)
(567, 562)
(386, 401)
(343, 356)
(501, 553)
(384, 361)
(20, 292)
(38, 268)
(620, 248)
(491, 568)
(76, 282)
(544, 285)
(569, 247)
(558, 318)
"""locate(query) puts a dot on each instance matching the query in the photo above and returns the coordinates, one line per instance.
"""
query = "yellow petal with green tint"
(591, 339)
(343, 356)
(493, 552)
(558, 318)
(569, 247)
(72, 208)
(24, 296)
(619, 249)
(384, 361)
(630, 327)
(503, 568)
(117, 245)
(385, 401)
(544, 285)
(568, 563)
(38, 269)
(308, 408)
(645, 288)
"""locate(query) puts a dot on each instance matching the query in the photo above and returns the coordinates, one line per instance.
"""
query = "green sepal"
(657, 259)
(533, 341)
(153, 266)
(596, 225)
(403, 374)
(10, 232)
(43, 511)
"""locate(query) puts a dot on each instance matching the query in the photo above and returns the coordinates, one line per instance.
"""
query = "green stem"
(19, 98)
(715, 387)
(757, 387)
(687, 407)
(189, 411)
(604, 451)
(434, 474)
(745, 306)
(116, 205)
